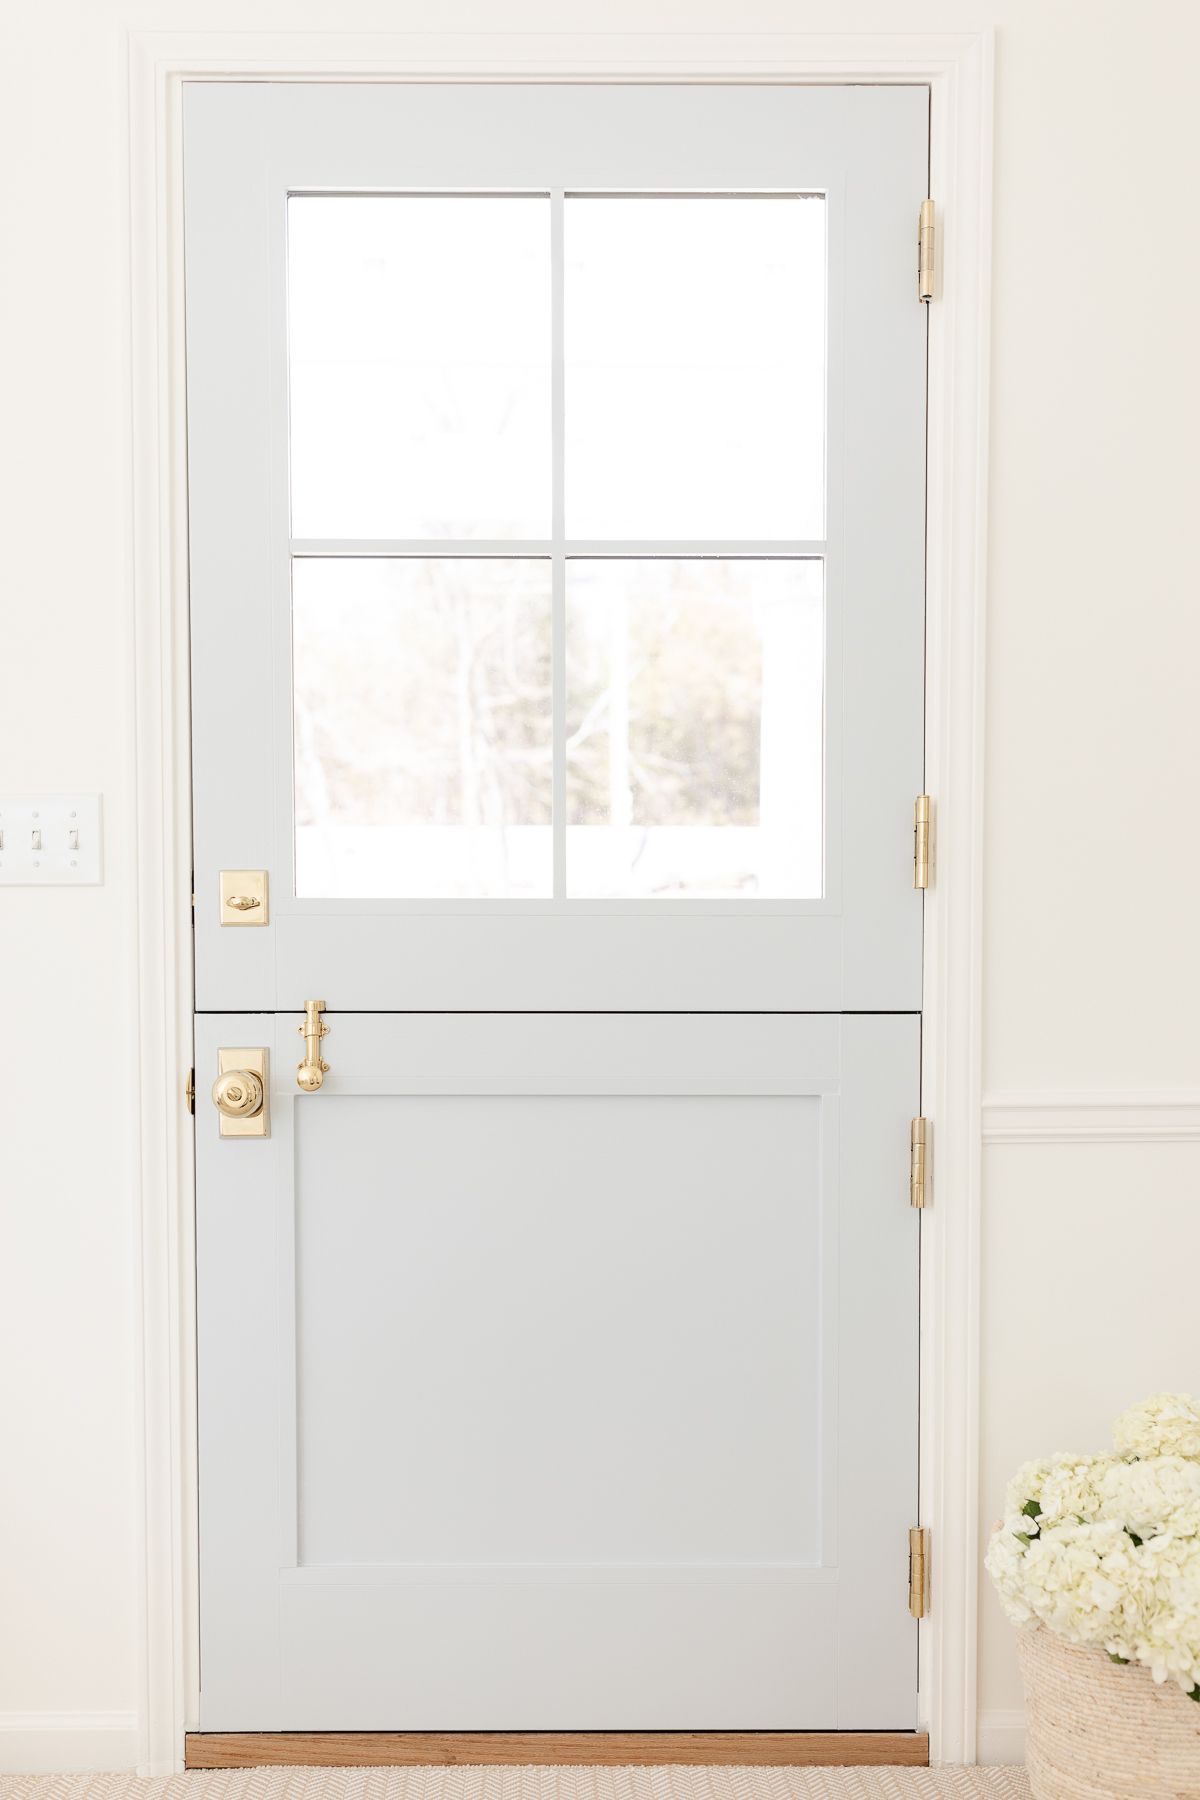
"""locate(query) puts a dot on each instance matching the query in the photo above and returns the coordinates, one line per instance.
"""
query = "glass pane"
(422, 724)
(695, 367)
(419, 348)
(694, 728)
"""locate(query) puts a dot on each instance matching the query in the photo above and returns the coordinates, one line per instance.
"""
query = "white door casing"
(959, 70)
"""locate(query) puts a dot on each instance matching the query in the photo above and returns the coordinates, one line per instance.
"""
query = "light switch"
(52, 840)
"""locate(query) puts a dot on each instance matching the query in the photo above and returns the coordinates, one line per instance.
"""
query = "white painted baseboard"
(1001, 1737)
(52, 1743)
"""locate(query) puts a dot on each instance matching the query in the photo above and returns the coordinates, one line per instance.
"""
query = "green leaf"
(1031, 1509)
(1195, 1694)
(1113, 1657)
(1134, 1539)
(1023, 1537)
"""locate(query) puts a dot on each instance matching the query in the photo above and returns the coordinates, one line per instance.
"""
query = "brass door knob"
(238, 1094)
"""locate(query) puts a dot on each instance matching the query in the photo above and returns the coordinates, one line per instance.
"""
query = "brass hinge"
(918, 1164)
(925, 252)
(918, 1571)
(922, 840)
(189, 1090)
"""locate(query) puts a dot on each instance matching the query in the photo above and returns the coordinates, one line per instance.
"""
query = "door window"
(557, 504)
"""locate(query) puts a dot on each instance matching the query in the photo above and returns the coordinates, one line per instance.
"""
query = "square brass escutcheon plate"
(244, 898)
(256, 1060)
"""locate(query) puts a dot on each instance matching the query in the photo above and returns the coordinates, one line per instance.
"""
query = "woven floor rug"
(532, 1784)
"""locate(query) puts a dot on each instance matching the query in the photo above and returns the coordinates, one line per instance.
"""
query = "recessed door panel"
(614, 1246)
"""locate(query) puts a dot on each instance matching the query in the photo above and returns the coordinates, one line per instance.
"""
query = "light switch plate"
(49, 840)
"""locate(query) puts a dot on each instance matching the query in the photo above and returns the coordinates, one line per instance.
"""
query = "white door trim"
(958, 70)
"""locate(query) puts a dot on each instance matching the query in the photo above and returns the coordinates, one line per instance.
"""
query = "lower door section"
(559, 1373)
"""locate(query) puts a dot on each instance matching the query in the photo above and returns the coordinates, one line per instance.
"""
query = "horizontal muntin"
(783, 549)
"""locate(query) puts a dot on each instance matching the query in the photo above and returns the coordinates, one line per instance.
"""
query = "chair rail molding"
(957, 67)
(1092, 1116)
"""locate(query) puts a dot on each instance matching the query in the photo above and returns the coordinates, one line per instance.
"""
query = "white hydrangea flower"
(1164, 1425)
(1071, 1489)
(1005, 1563)
(1162, 1611)
(1026, 1485)
(1161, 1493)
(1058, 1487)
(1076, 1578)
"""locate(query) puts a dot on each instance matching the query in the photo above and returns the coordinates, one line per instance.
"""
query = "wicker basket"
(1096, 1729)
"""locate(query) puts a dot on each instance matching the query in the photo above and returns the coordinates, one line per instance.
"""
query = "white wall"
(1094, 738)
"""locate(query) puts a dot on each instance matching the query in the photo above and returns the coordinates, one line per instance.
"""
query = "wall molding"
(70, 1742)
(1002, 1737)
(1092, 1116)
(958, 69)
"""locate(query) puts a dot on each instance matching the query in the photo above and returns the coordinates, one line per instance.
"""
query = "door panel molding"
(958, 69)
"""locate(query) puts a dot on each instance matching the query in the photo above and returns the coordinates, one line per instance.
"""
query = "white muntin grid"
(557, 550)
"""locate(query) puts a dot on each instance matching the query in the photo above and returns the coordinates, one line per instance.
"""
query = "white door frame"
(958, 70)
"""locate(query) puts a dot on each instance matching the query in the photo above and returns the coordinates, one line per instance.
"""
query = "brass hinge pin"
(925, 241)
(918, 1166)
(922, 833)
(189, 1090)
(918, 1571)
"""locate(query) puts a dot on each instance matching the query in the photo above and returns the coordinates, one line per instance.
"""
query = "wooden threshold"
(638, 1749)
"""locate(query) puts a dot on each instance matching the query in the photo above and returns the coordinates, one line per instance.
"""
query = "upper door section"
(556, 473)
